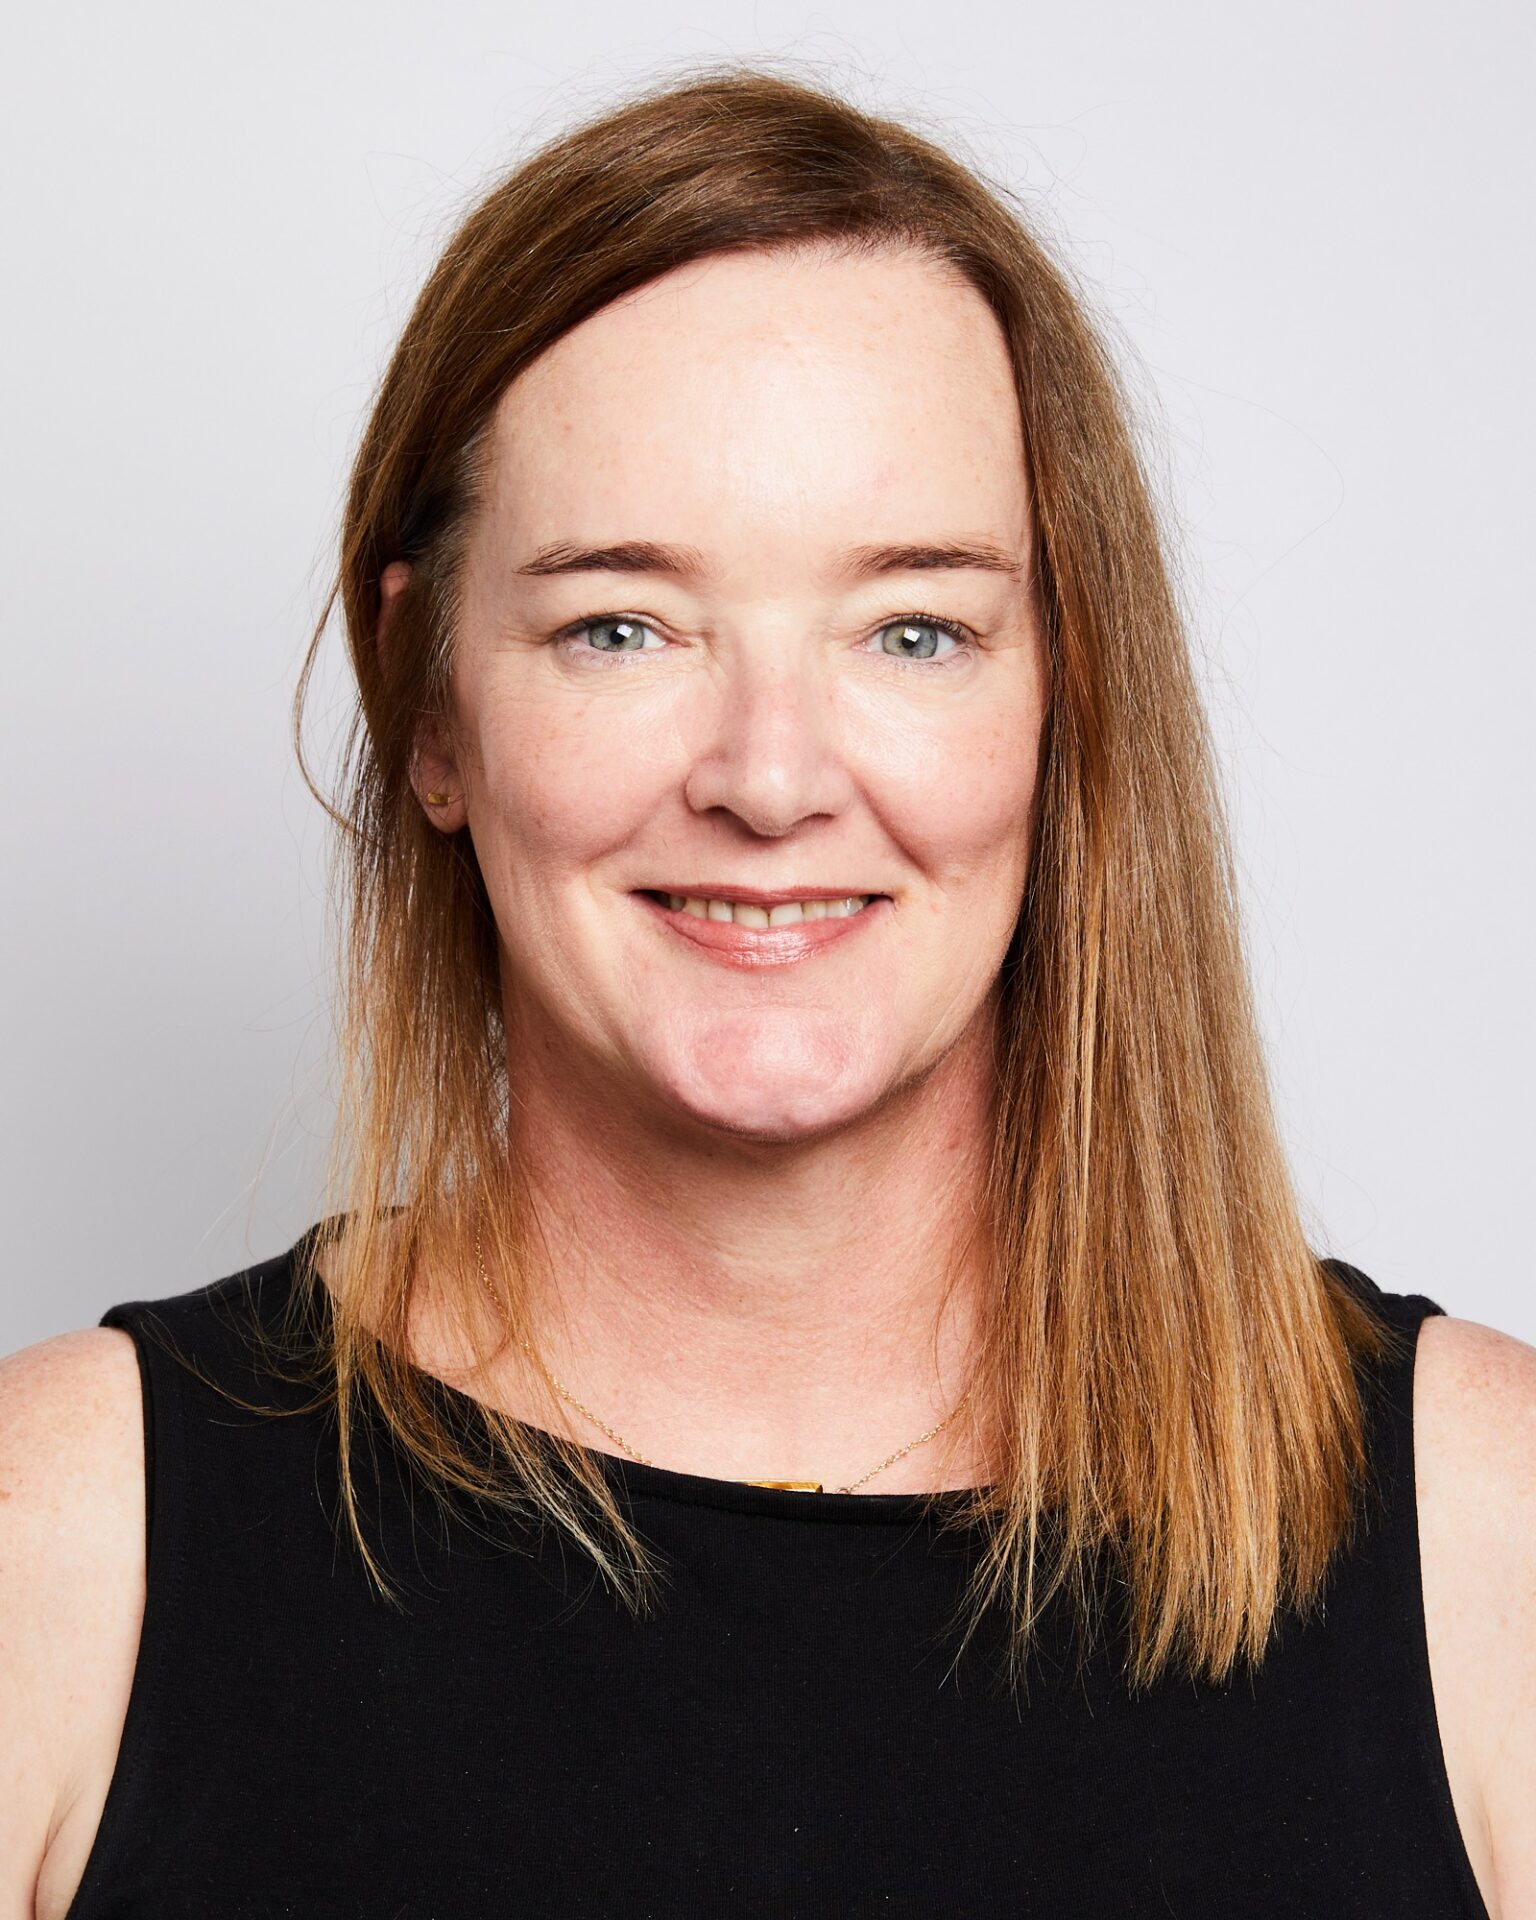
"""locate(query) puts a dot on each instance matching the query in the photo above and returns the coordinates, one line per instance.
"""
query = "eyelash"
(961, 635)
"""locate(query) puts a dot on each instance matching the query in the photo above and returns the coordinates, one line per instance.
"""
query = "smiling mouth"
(750, 935)
(766, 910)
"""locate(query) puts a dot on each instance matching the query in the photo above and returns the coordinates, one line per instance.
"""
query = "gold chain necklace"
(795, 1486)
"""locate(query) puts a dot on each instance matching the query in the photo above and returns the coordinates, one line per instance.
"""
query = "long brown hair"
(1172, 1370)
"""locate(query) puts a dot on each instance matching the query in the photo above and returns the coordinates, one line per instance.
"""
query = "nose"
(772, 753)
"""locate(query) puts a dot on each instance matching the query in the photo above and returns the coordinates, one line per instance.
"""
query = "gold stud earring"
(435, 799)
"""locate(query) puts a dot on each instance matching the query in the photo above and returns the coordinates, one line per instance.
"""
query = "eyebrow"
(859, 563)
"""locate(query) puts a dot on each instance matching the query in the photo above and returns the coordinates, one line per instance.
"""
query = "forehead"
(806, 395)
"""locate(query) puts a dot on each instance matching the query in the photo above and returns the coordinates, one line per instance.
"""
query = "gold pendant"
(790, 1486)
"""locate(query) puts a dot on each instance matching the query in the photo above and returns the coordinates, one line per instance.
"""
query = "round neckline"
(644, 1481)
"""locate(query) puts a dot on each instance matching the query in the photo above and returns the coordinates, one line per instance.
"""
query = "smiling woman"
(795, 1012)
(764, 717)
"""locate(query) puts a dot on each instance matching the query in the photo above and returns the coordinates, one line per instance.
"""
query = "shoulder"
(72, 1564)
(1474, 1419)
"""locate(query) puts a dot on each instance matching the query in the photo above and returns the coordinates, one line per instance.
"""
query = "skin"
(781, 1314)
(771, 1162)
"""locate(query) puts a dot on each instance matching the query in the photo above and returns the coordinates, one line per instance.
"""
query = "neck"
(755, 1311)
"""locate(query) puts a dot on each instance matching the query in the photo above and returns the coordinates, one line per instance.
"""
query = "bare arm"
(1475, 1444)
(71, 1600)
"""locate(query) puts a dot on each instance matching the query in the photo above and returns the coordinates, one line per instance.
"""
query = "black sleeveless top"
(789, 1735)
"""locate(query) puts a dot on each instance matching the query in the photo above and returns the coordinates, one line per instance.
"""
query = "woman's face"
(747, 612)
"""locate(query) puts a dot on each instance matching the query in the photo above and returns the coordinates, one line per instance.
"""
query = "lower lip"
(761, 946)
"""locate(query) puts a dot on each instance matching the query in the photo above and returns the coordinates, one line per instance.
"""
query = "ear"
(434, 773)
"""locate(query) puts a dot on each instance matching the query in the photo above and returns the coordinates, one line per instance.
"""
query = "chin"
(777, 1112)
(772, 1073)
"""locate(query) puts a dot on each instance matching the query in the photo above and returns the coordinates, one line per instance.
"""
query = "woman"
(810, 1394)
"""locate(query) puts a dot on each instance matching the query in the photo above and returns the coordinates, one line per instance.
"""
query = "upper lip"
(764, 897)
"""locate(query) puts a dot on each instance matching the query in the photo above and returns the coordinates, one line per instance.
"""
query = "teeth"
(790, 914)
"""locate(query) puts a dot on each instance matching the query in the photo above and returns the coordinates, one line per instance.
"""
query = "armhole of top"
(130, 1777)
(1412, 1572)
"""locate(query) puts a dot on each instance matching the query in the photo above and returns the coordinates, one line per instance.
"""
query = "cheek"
(560, 786)
(962, 799)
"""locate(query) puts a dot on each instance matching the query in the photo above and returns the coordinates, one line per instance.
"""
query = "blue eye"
(914, 630)
(918, 638)
(627, 630)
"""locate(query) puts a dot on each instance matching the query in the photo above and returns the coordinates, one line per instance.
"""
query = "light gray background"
(1311, 227)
